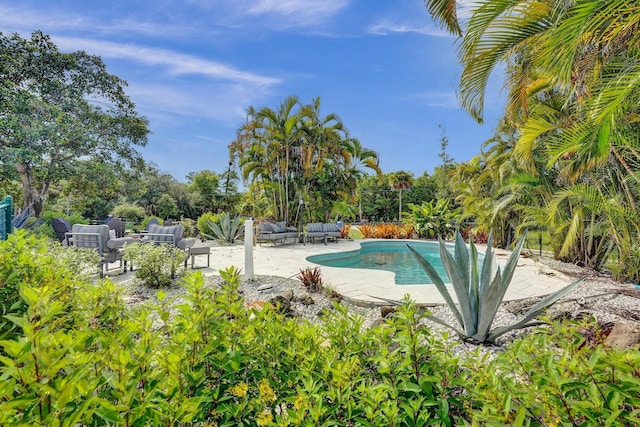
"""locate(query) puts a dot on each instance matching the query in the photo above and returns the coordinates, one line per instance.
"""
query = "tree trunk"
(31, 197)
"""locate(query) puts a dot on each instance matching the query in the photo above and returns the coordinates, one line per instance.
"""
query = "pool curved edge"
(368, 246)
(362, 287)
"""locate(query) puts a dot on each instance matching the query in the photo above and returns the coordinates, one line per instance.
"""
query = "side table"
(199, 250)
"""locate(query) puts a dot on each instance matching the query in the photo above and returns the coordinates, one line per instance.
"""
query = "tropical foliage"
(225, 229)
(385, 230)
(77, 354)
(566, 157)
(433, 220)
(295, 154)
(311, 279)
(156, 264)
(480, 289)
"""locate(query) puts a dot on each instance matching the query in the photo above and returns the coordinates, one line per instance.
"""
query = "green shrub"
(433, 220)
(46, 230)
(553, 377)
(203, 223)
(79, 356)
(156, 264)
(131, 212)
(190, 227)
(26, 260)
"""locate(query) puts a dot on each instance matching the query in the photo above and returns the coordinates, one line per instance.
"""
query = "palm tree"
(295, 153)
(265, 145)
(400, 180)
(445, 12)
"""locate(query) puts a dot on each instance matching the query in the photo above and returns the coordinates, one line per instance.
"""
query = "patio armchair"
(324, 231)
(61, 227)
(118, 225)
(172, 235)
(99, 238)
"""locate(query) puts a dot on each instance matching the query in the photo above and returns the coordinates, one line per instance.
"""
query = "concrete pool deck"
(359, 285)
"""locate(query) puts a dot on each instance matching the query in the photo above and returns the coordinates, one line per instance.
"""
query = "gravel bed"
(598, 296)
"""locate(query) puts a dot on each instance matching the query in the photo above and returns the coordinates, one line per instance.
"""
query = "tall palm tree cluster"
(305, 163)
(566, 155)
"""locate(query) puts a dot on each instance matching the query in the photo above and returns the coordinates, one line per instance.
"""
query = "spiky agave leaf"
(534, 311)
(226, 230)
(458, 271)
(439, 284)
(495, 290)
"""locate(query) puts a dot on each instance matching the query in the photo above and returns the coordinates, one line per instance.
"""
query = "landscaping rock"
(624, 336)
(288, 295)
(387, 310)
(307, 300)
(282, 305)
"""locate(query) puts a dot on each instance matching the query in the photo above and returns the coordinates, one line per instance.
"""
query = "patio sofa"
(324, 231)
(98, 237)
(275, 233)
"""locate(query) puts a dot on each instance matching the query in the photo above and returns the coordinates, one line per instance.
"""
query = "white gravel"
(598, 296)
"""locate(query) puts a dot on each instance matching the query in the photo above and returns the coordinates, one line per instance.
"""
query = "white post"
(248, 249)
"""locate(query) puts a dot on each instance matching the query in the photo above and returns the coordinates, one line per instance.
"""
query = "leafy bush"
(203, 223)
(45, 229)
(554, 377)
(480, 290)
(156, 264)
(190, 227)
(26, 260)
(78, 356)
(226, 229)
(434, 220)
(311, 279)
(130, 212)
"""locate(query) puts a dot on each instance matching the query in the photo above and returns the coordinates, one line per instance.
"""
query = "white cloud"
(24, 20)
(275, 14)
(176, 63)
(318, 8)
(386, 28)
(439, 99)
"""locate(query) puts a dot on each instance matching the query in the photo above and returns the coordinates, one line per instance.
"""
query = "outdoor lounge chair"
(278, 232)
(98, 237)
(324, 231)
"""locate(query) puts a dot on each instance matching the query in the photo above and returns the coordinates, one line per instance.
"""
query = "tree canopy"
(57, 110)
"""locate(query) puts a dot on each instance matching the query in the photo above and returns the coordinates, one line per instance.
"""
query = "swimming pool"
(387, 255)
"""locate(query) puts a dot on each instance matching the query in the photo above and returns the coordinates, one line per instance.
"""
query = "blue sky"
(194, 66)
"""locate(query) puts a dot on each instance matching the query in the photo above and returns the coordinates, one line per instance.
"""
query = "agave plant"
(480, 291)
(226, 229)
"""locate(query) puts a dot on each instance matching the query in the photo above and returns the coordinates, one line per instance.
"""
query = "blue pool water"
(392, 256)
